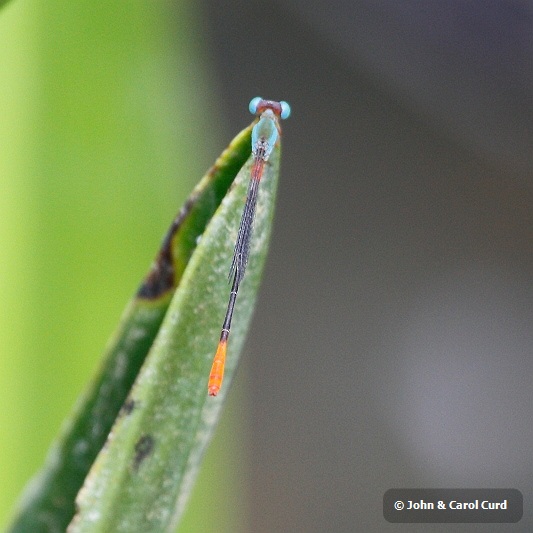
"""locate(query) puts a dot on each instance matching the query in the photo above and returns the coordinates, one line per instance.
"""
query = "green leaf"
(143, 476)
(48, 504)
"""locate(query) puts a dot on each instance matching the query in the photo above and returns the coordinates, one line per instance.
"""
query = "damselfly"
(265, 135)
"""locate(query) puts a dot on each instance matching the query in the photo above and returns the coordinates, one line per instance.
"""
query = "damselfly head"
(258, 106)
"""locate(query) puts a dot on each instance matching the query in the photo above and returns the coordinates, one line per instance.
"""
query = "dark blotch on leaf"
(143, 448)
(128, 407)
(161, 277)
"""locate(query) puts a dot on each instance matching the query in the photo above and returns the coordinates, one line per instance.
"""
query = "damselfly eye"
(285, 110)
(254, 102)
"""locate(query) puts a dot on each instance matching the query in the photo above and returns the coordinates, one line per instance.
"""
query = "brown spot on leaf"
(161, 277)
(143, 449)
(128, 407)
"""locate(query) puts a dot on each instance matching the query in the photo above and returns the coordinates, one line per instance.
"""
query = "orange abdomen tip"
(217, 369)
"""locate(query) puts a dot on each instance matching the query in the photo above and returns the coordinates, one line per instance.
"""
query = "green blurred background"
(104, 130)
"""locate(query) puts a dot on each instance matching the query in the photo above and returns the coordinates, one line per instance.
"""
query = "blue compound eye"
(285, 110)
(254, 102)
